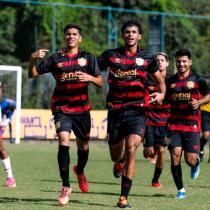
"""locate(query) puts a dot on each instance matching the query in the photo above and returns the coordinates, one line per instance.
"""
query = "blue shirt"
(7, 108)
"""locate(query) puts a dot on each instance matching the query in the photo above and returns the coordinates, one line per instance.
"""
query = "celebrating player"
(184, 90)
(72, 71)
(128, 68)
(157, 117)
(3, 153)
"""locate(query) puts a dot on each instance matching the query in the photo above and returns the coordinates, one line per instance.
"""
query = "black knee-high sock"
(157, 174)
(125, 186)
(177, 175)
(202, 143)
(82, 160)
(63, 163)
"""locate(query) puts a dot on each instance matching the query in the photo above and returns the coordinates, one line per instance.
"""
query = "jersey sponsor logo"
(82, 61)
(121, 74)
(190, 84)
(140, 61)
(181, 96)
(69, 76)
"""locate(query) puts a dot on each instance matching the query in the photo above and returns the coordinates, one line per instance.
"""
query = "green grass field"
(38, 183)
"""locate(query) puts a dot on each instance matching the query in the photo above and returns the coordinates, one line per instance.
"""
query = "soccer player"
(128, 68)
(156, 128)
(3, 153)
(7, 108)
(205, 127)
(184, 90)
(73, 71)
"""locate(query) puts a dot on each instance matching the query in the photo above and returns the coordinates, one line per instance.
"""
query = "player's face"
(131, 36)
(72, 38)
(162, 64)
(183, 64)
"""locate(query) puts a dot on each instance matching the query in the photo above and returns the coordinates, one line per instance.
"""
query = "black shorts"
(205, 121)
(155, 136)
(189, 141)
(122, 123)
(79, 123)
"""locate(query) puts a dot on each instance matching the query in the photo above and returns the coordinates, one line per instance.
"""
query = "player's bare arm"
(158, 96)
(196, 103)
(32, 70)
(84, 77)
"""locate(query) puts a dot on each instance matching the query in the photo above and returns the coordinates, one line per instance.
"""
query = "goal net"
(11, 79)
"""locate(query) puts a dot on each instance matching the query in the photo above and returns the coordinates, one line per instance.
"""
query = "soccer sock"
(177, 175)
(7, 167)
(122, 160)
(157, 174)
(202, 143)
(63, 163)
(125, 186)
(82, 160)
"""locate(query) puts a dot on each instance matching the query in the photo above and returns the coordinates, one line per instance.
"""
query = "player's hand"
(39, 53)
(83, 77)
(156, 97)
(194, 103)
(62, 51)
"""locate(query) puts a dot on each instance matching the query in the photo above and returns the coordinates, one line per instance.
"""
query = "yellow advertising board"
(39, 124)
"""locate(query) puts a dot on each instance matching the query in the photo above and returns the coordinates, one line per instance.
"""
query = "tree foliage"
(26, 28)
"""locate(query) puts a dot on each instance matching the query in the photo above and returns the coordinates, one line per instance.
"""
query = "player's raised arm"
(39, 54)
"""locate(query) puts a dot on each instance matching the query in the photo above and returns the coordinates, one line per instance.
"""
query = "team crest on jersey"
(82, 61)
(190, 84)
(139, 61)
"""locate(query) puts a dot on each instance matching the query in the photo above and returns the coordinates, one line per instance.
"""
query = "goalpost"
(11, 76)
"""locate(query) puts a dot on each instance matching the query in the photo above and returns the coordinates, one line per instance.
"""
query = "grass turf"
(38, 182)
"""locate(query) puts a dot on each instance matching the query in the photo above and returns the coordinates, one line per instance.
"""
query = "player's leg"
(175, 149)
(159, 166)
(160, 148)
(135, 127)
(6, 164)
(118, 157)
(205, 126)
(63, 129)
(115, 138)
(191, 148)
(81, 128)
(149, 142)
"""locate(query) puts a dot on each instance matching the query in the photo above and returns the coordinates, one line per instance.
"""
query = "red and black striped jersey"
(70, 95)
(179, 93)
(126, 78)
(157, 115)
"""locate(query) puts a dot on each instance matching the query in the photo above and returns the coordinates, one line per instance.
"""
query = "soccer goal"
(11, 79)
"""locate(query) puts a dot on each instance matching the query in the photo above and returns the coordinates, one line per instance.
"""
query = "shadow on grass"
(20, 200)
(135, 195)
(199, 186)
(4, 200)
